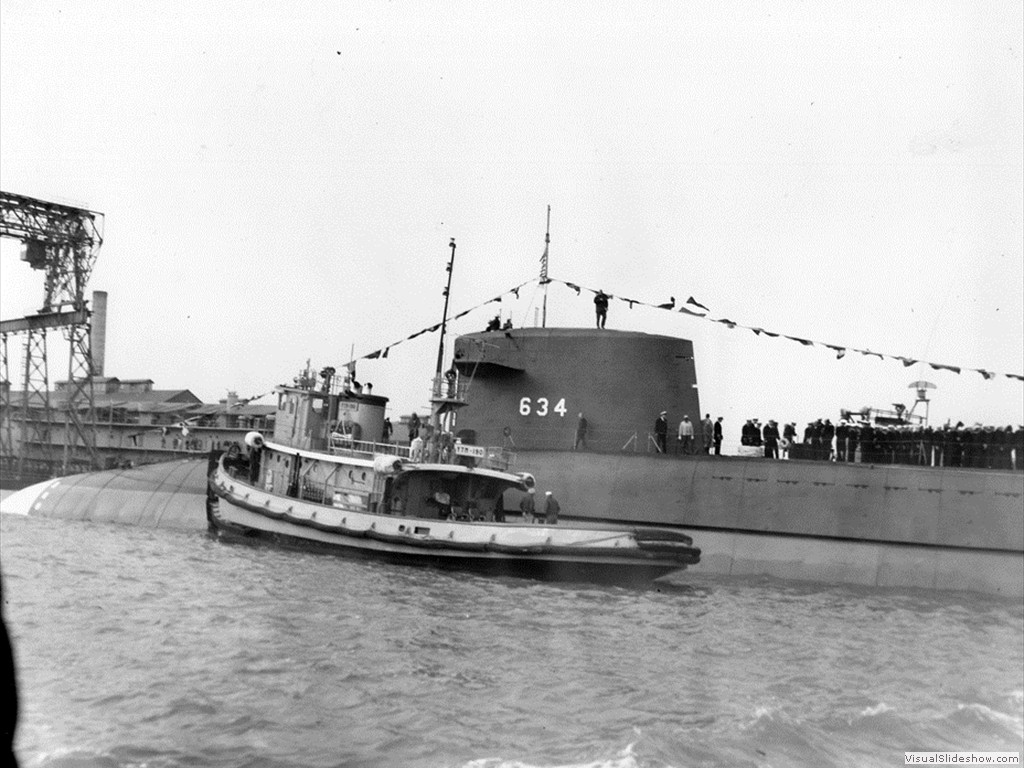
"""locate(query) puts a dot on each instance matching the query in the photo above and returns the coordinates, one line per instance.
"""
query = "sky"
(281, 183)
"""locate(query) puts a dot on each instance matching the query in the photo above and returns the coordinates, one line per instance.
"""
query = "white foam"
(875, 710)
(625, 759)
(988, 713)
(21, 502)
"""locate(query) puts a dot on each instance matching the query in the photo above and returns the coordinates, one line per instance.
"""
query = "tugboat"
(320, 483)
(330, 479)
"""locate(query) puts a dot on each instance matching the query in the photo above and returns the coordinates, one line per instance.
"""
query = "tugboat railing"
(344, 445)
(489, 457)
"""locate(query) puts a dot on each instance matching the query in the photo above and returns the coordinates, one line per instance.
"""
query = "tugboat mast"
(444, 317)
(444, 387)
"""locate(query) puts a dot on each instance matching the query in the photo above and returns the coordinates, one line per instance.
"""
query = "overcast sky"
(281, 183)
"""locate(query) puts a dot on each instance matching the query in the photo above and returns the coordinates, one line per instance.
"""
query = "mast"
(444, 317)
(443, 393)
(544, 270)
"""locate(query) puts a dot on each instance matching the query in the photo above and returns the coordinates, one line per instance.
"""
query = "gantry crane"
(63, 241)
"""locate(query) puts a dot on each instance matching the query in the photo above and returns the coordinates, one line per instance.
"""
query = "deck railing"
(344, 445)
(490, 457)
(452, 389)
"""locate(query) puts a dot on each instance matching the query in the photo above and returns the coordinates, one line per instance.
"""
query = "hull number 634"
(540, 407)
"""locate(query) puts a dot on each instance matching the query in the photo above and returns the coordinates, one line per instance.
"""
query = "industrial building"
(134, 424)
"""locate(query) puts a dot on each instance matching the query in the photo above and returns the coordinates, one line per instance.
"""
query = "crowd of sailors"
(978, 446)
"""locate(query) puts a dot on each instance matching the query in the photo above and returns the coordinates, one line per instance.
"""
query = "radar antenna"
(922, 388)
(544, 279)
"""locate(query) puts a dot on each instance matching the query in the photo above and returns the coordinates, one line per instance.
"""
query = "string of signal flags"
(693, 308)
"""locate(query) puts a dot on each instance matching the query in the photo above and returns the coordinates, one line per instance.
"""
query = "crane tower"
(62, 241)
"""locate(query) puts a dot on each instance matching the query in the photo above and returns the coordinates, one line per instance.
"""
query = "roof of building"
(180, 399)
(211, 409)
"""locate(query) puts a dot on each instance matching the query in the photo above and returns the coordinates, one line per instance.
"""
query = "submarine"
(885, 525)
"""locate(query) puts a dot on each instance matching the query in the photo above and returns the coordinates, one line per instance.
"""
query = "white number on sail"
(543, 407)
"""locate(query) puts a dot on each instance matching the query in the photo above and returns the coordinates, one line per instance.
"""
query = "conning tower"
(527, 387)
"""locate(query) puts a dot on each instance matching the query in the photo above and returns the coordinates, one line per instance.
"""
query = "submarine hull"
(791, 520)
(164, 495)
(889, 525)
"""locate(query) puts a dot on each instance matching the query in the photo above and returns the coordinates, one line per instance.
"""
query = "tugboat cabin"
(328, 449)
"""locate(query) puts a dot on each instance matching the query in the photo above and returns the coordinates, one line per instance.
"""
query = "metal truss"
(36, 411)
(63, 241)
(6, 440)
(80, 413)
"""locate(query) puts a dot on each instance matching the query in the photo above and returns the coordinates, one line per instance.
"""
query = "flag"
(840, 351)
(987, 374)
(696, 303)
(544, 264)
(940, 367)
(372, 355)
(385, 352)
(805, 342)
(574, 287)
(727, 322)
(907, 362)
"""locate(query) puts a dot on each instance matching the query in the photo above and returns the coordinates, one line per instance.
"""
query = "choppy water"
(159, 648)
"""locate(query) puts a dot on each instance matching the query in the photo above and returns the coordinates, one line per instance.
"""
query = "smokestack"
(98, 335)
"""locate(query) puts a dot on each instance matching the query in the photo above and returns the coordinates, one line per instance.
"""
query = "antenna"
(544, 270)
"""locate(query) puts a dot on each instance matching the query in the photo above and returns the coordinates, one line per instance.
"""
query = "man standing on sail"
(601, 308)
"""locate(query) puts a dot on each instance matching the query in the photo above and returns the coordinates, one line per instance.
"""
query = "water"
(158, 648)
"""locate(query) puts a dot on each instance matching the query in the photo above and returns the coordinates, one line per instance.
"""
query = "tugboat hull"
(237, 510)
